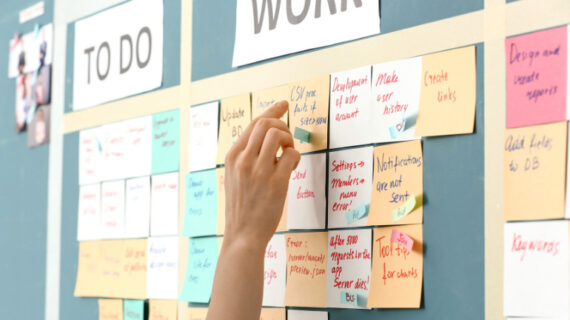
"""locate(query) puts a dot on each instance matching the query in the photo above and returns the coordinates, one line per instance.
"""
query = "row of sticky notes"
(393, 101)
(354, 268)
(131, 148)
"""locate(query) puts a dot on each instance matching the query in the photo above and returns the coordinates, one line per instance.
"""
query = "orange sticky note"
(306, 269)
(263, 99)
(235, 116)
(163, 310)
(397, 274)
(535, 172)
(398, 175)
(272, 314)
(448, 93)
(133, 265)
(87, 283)
(110, 309)
(197, 313)
(220, 173)
(309, 110)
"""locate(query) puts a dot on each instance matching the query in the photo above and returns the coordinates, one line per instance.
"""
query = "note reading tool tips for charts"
(162, 270)
(448, 93)
(203, 136)
(274, 274)
(397, 273)
(200, 269)
(536, 77)
(201, 212)
(306, 269)
(165, 141)
(164, 205)
(235, 116)
(535, 172)
(398, 179)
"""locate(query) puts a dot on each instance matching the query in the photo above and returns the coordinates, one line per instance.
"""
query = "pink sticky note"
(402, 239)
(536, 77)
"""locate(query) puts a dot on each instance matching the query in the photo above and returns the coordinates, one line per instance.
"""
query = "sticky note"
(162, 270)
(138, 147)
(90, 156)
(350, 108)
(448, 93)
(200, 269)
(201, 212)
(197, 313)
(89, 212)
(133, 309)
(396, 92)
(235, 116)
(263, 99)
(536, 269)
(350, 187)
(87, 281)
(302, 135)
(133, 269)
(405, 209)
(220, 176)
(165, 141)
(397, 274)
(274, 272)
(309, 110)
(162, 309)
(306, 195)
(110, 309)
(306, 315)
(113, 150)
(203, 136)
(272, 314)
(306, 269)
(402, 239)
(348, 268)
(534, 172)
(113, 209)
(398, 176)
(164, 205)
(137, 208)
(536, 77)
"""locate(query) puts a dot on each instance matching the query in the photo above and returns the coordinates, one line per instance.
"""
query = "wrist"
(243, 245)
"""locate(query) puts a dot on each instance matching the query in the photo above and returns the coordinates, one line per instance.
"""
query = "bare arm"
(256, 187)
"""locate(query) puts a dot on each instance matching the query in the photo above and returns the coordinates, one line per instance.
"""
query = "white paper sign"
(274, 274)
(351, 108)
(113, 209)
(162, 268)
(138, 147)
(203, 136)
(396, 99)
(350, 187)
(271, 28)
(306, 315)
(89, 212)
(90, 156)
(164, 205)
(348, 273)
(118, 53)
(537, 269)
(306, 203)
(137, 208)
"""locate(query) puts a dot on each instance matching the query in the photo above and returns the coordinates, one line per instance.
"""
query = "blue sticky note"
(201, 211)
(348, 298)
(397, 129)
(200, 270)
(165, 142)
(133, 310)
(358, 213)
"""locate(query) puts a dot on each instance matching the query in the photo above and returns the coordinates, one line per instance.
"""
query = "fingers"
(276, 111)
(288, 162)
(275, 139)
(260, 133)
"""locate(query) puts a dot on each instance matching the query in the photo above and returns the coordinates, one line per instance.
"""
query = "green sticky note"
(404, 210)
(301, 134)
(358, 213)
(347, 297)
(133, 310)
(165, 141)
(200, 270)
(201, 212)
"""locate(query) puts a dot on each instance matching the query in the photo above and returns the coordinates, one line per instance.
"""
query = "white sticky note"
(89, 212)
(164, 205)
(90, 156)
(537, 269)
(275, 271)
(114, 161)
(113, 209)
(350, 108)
(138, 147)
(348, 268)
(162, 268)
(203, 136)
(567, 209)
(306, 203)
(350, 187)
(137, 208)
(396, 99)
(306, 315)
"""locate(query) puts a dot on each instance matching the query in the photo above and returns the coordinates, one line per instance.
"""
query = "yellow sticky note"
(309, 110)
(133, 269)
(397, 274)
(263, 99)
(220, 173)
(163, 310)
(110, 309)
(235, 116)
(306, 269)
(272, 314)
(535, 172)
(197, 313)
(87, 283)
(448, 93)
(398, 176)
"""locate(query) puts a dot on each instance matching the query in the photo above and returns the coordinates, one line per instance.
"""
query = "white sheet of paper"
(350, 186)
(537, 269)
(138, 147)
(137, 208)
(108, 66)
(89, 212)
(90, 156)
(264, 31)
(348, 268)
(113, 209)
(306, 315)
(164, 205)
(162, 268)
(203, 136)
(114, 161)
(395, 97)
(567, 210)
(306, 202)
(275, 271)
(351, 108)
